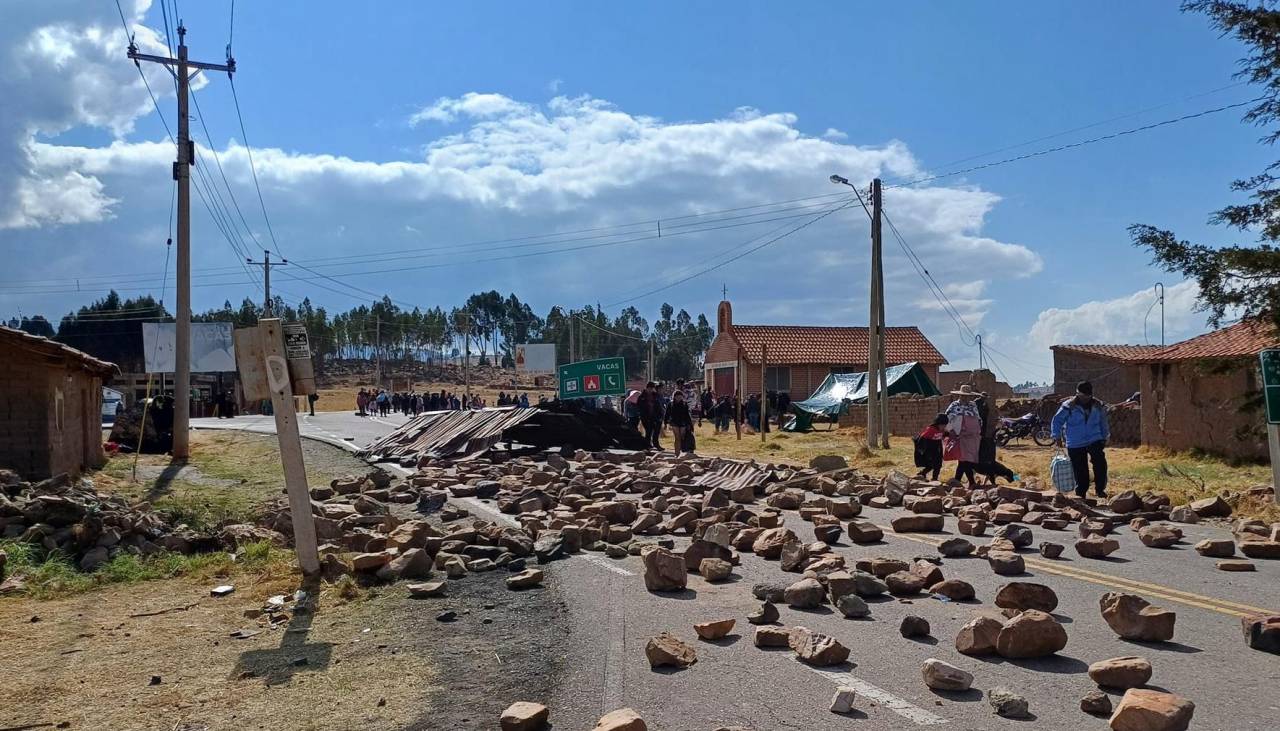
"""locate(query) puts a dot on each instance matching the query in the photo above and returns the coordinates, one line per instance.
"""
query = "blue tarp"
(841, 389)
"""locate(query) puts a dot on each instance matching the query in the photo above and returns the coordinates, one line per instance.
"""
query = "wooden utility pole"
(182, 174)
(573, 346)
(266, 265)
(874, 333)
(377, 352)
(650, 364)
(764, 390)
(466, 358)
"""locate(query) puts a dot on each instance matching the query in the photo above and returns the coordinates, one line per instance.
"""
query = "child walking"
(928, 452)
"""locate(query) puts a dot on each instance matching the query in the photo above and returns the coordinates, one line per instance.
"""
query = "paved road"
(735, 683)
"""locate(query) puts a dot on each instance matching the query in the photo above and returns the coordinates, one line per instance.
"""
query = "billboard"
(211, 347)
(536, 358)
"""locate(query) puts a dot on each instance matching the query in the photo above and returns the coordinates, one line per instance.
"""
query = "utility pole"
(377, 351)
(266, 265)
(182, 174)
(650, 364)
(764, 390)
(466, 358)
(573, 348)
(875, 334)
(979, 339)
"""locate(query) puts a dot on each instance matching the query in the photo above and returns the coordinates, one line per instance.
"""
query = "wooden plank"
(249, 361)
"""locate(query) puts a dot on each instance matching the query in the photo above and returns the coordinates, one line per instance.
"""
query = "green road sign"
(603, 377)
(1271, 383)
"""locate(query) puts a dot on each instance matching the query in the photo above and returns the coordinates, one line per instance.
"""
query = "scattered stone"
(904, 583)
(1050, 550)
(775, 593)
(919, 523)
(715, 569)
(428, 589)
(623, 719)
(447, 616)
(1026, 595)
(1134, 618)
(524, 716)
(1211, 507)
(1183, 514)
(526, 579)
(978, 638)
(842, 701)
(772, 637)
(714, 630)
(1262, 632)
(804, 594)
(769, 544)
(1008, 704)
(663, 570)
(1006, 563)
(220, 591)
(853, 607)
(1121, 672)
(940, 675)
(1031, 633)
(862, 531)
(913, 626)
(1096, 546)
(956, 590)
(865, 585)
(1236, 565)
(816, 648)
(1216, 548)
(667, 650)
(828, 462)
(1018, 535)
(1096, 703)
(1152, 710)
(1159, 536)
(766, 614)
(1260, 548)
(1126, 501)
(971, 526)
(955, 548)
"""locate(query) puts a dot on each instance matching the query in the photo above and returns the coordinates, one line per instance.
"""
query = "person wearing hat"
(965, 427)
(1081, 423)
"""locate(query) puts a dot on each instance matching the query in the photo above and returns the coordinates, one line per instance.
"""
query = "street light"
(839, 180)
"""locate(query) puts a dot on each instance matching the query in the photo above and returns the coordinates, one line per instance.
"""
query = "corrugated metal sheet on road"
(731, 475)
(447, 434)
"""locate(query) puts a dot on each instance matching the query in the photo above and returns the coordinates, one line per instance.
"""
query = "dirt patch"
(383, 662)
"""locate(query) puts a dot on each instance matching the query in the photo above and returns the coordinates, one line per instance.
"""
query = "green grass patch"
(53, 575)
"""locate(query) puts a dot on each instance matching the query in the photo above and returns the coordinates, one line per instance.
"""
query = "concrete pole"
(182, 338)
(874, 333)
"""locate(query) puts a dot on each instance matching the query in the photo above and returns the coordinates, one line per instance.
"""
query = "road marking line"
(913, 713)
(605, 563)
(1222, 606)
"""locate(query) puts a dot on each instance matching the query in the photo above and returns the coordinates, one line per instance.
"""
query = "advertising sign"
(536, 358)
(212, 350)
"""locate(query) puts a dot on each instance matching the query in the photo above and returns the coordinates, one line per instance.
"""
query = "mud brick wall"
(1113, 382)
(1211, 406)
(24, 409)
(907, 416)
(50, 416)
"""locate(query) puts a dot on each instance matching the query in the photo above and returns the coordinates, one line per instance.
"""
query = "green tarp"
(840, 389)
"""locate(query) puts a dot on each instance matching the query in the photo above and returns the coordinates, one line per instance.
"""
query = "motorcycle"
(1027, 426)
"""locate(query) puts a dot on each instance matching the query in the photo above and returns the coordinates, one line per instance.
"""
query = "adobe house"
(50, 406)
(981, 379)
(1204, 393)
(1112, 369)
(800, 356)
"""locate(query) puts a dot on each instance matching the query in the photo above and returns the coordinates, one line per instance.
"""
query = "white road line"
(913, 713)
(605, 563)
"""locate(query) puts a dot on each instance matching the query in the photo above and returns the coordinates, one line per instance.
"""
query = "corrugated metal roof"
(448, 433)
(730, 475)
(27, 341)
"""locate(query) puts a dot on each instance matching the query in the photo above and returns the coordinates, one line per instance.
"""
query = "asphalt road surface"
(735, 683)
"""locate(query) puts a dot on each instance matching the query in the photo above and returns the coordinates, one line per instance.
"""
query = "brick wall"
(982, 379)
(24, 438)
(40, 433)
(907, 415)
(1113, 382)
(1204, 405)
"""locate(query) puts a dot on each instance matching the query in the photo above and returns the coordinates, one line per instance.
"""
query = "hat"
(966, 390)
(1085, 388)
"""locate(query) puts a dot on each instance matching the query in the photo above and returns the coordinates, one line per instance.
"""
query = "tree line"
(487, 324)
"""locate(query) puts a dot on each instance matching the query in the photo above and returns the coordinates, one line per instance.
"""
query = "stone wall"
(1206, 405)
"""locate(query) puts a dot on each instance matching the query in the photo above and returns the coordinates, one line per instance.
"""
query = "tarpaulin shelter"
(841, 389)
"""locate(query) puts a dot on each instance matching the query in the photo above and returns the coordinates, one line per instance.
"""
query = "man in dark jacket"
(650, 404)
(1081, 423)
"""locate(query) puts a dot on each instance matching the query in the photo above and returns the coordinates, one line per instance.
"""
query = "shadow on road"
(294, 655)
(166, 478)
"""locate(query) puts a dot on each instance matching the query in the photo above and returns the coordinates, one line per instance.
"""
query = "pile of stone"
(71, 517)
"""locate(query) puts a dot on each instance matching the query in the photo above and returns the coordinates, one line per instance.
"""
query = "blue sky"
(392, 126)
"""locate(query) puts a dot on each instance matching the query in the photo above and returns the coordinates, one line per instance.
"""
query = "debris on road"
(1262, 632)
(1134, 618)
(1019, 595)
(1030, 633)
(1121, 672)
(940, 675)
(524, 716)
(667, 650)
(842, 701)
(623, 719)
(1152, 710)
(978, 637)
(1008, 704)
(714, 630)
(1096, 703)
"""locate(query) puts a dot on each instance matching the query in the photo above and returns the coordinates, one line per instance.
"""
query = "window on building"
(778, 379)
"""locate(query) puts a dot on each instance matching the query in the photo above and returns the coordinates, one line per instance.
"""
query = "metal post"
(1160, 290)
(1273, 441)
(874, 333)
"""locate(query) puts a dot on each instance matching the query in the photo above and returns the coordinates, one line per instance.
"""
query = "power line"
(1081, 143)
(252, 168)
(932, 285)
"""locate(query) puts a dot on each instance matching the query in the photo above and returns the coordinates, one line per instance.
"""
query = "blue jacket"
(1081, 428)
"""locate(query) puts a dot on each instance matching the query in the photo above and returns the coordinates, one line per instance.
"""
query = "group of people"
(660, 405)
(370, 402)
(965, 433)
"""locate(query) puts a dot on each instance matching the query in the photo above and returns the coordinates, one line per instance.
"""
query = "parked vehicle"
(1026, 426)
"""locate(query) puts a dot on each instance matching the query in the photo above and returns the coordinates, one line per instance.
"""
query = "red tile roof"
(1125, 353)
(1243, 339)
(799, 344)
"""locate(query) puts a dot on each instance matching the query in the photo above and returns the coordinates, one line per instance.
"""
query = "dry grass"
(1181, 476)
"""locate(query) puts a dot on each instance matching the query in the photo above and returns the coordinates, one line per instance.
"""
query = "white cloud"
(834, 134)
(1129, 319)
(471, 104)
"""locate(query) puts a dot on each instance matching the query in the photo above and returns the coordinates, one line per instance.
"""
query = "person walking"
(650, 407)
(965, 427)
(1081, 424)
(679, 420)
(708, 407)
(928, 448)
